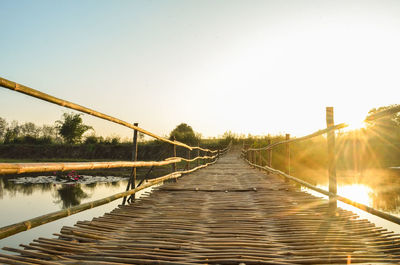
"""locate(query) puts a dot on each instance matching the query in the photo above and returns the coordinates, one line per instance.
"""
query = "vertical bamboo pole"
(260, 157)
(269, 154)
(134, 158)
(174, 155)
(188, 163)
(331, 159)
(198, 154)
(132, 179)
(287, 151)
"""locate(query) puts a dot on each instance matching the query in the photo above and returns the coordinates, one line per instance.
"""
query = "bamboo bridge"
(236, 210)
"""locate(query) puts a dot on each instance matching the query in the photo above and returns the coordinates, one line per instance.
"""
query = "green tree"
(185, 134)
(3, 127)
(71, 128)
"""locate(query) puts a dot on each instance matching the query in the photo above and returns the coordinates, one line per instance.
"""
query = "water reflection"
(70, 195)
(64, 195)
(377, 188)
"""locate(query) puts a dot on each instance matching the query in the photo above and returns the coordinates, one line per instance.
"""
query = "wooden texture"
(227, 213)
(18, 168)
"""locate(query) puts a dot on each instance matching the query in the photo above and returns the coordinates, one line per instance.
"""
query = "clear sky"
(247, 66)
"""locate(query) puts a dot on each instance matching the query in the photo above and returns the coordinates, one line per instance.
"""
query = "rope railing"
(210, 157)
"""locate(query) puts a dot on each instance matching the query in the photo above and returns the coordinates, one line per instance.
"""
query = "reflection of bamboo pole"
(46, 97)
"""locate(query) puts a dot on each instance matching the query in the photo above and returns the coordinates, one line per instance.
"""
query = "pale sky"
(247, 66)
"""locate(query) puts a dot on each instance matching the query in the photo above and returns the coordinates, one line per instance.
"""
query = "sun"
(355, 125)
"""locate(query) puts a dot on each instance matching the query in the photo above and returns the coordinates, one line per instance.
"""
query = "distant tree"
(12, 132)
(91, 139)
(3, 127)
(71, 128)
(228, 137)
(185, 134)
(49, 132)
(388, 126)
(30, 129)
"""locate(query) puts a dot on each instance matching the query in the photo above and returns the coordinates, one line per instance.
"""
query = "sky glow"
(254, 67)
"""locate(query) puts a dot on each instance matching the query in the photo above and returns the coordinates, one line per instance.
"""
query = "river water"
(377, 188)
(19, 202)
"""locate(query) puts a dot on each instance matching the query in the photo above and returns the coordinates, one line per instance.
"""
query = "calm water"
(376, 188)
(19, 202)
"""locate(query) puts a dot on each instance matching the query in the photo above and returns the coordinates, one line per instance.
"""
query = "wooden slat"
(228, 213)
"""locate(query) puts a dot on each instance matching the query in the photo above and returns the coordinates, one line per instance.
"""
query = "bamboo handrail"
(361, 206)
(383, 113)
(190, 160)
(317, 133)
(46, 97)
(18, 168)
(40, 220)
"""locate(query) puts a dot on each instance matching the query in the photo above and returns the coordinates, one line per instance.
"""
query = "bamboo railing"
(249, 155)
(46, 97)
(47, 218)
(209, 157)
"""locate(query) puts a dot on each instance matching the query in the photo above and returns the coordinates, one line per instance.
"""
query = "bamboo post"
(198, 154)
(134, 158)
(174, 155)
(287, 151)
(132, 179)
(331, 159)
(260, 158)
(188, 162)
(269, 154)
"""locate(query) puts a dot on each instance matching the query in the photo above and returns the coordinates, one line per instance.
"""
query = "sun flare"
(356, 192)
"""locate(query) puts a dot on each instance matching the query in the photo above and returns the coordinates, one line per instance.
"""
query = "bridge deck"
(228, 213)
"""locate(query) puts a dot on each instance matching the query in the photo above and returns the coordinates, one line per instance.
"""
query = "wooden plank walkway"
(227, 213)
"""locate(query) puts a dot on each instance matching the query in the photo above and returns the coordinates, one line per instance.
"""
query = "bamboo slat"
(361, 206)
(40, 220)
(37, 221)
(229, 213)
